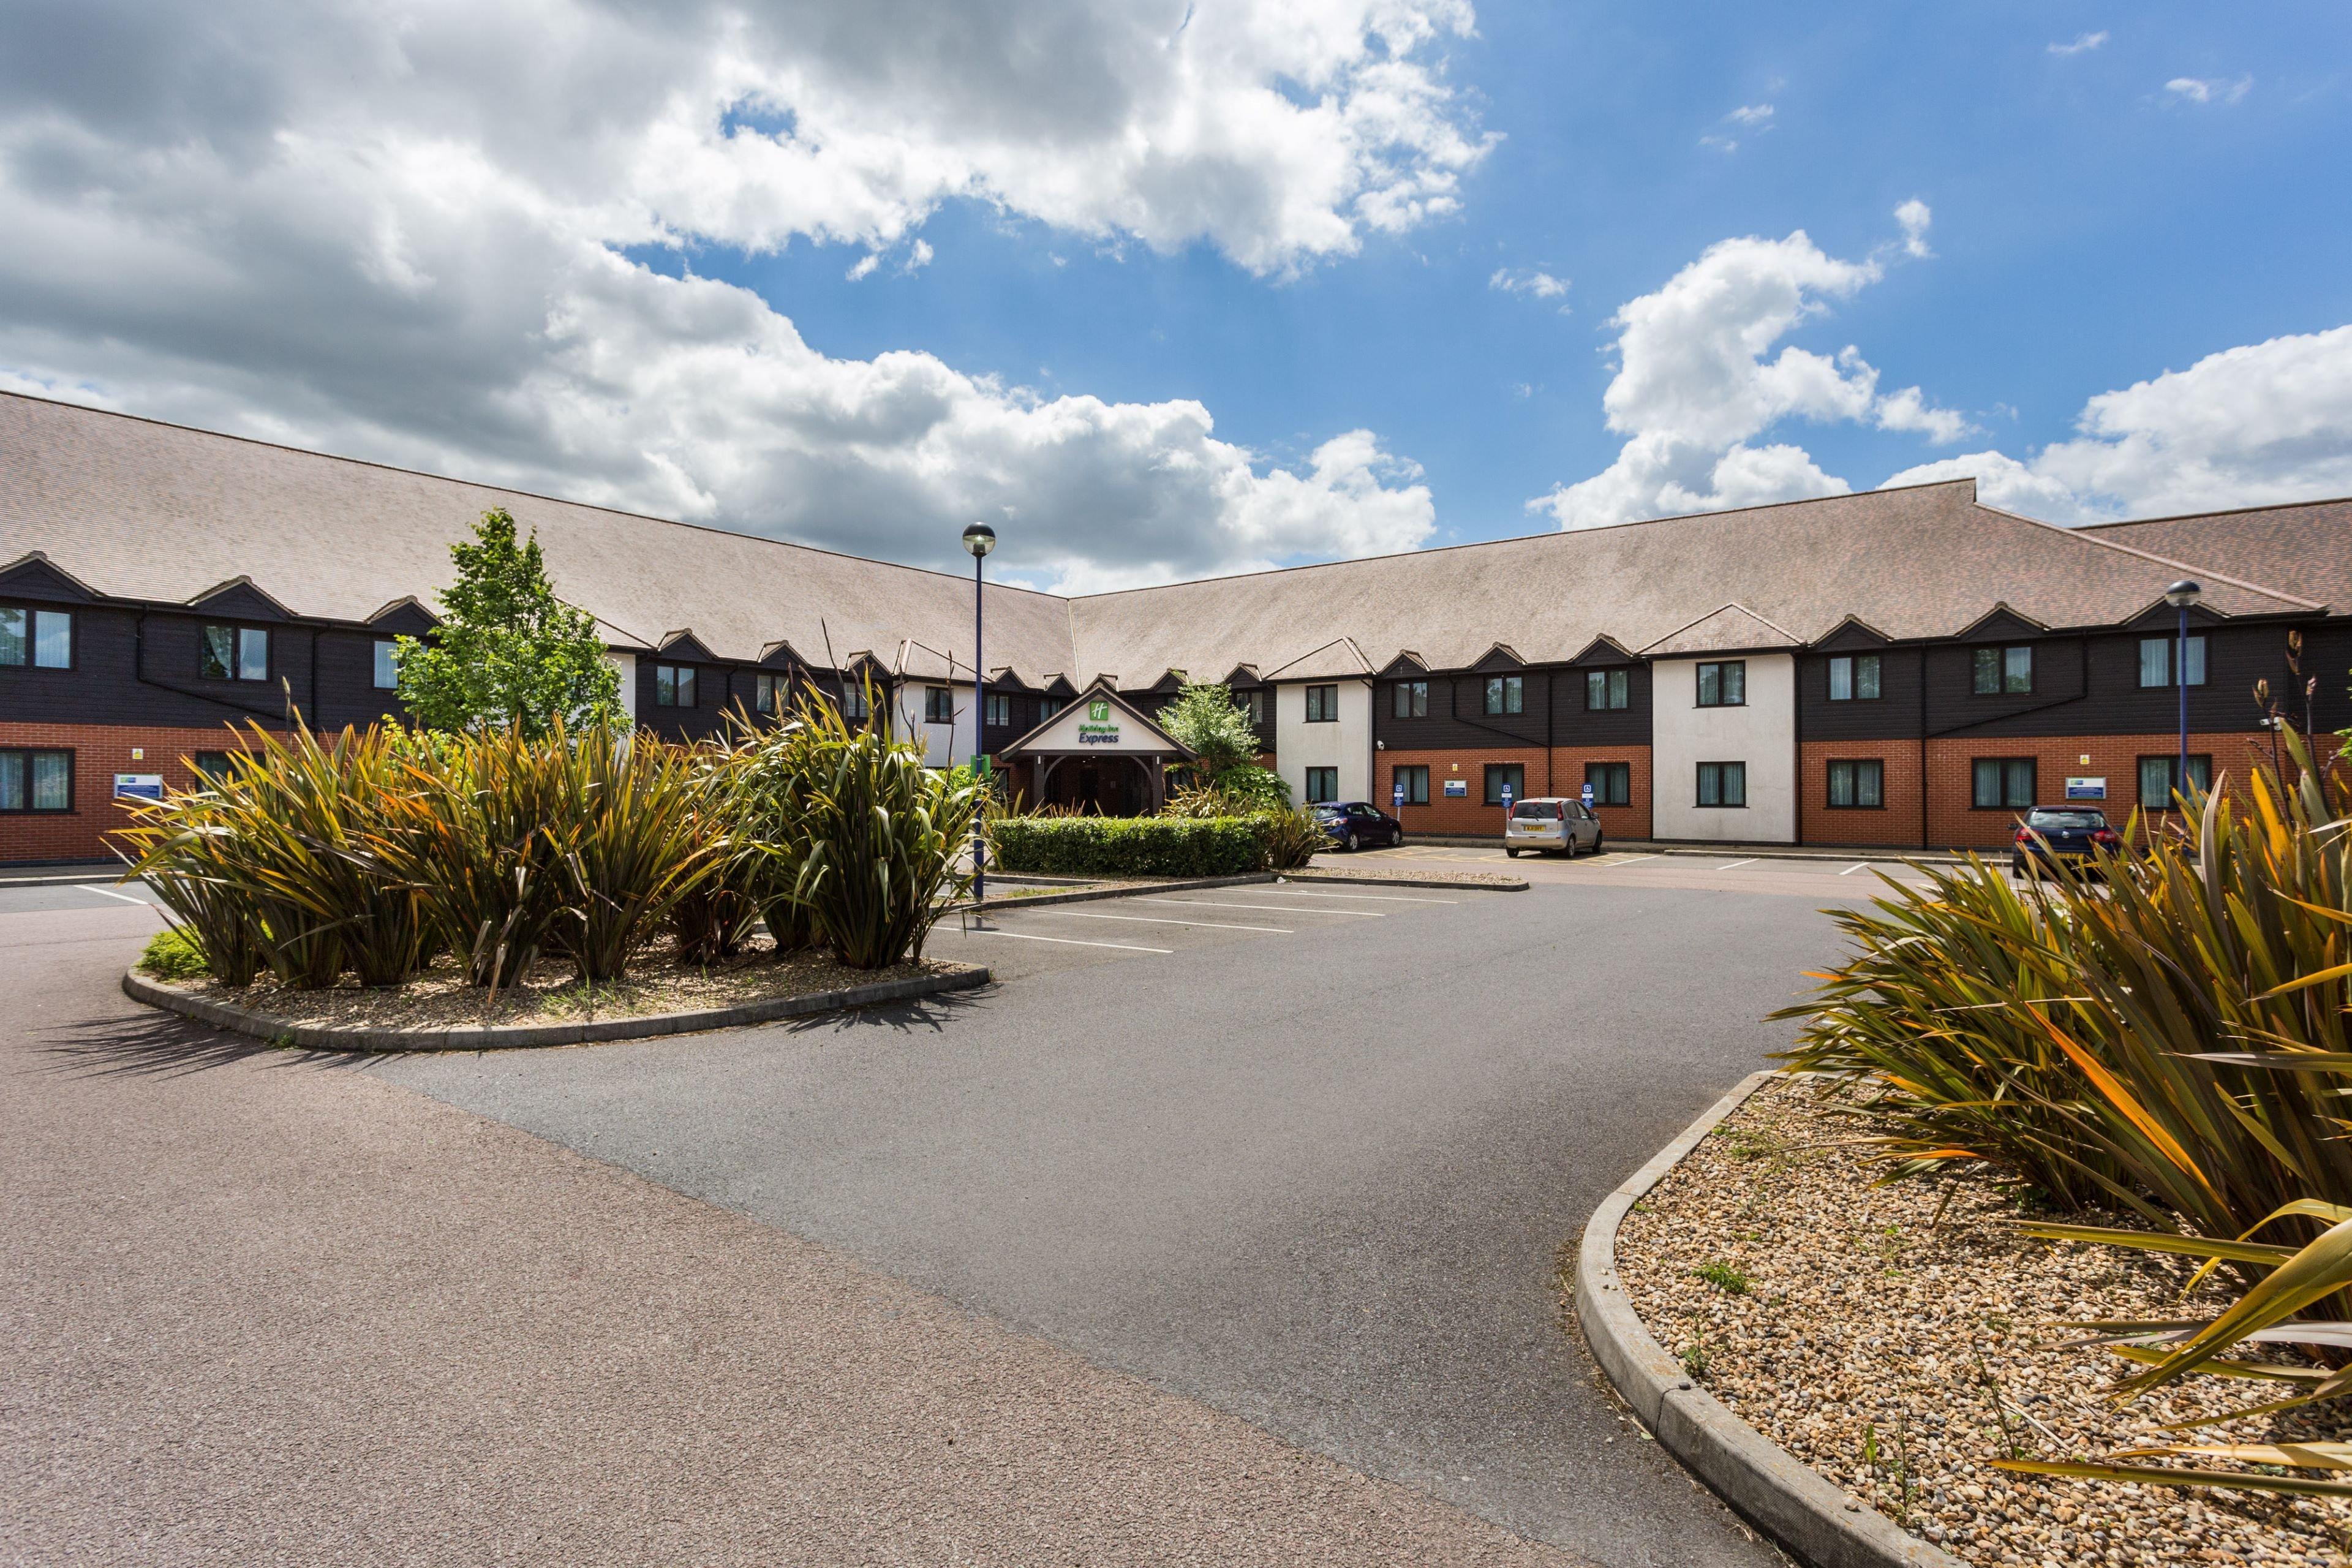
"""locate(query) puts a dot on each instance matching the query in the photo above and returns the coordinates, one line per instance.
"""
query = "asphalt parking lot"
(1305, 1155)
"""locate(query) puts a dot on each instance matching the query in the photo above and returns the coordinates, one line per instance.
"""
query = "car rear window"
(2065, 821)
(1547, 809)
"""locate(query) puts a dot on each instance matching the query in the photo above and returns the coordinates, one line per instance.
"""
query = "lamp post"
(2180, 595)
(980, 539)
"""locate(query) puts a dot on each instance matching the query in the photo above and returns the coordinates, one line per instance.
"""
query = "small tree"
(1223, 743)
(507, 651)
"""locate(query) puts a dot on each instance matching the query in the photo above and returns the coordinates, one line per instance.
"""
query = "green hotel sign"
(1099, 728)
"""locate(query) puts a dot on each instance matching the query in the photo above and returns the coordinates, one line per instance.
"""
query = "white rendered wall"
(1763, 734)
(944, 745)
(626, 663)
(1346, 744)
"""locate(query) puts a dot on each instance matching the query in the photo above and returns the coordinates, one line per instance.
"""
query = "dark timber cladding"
(159, 584)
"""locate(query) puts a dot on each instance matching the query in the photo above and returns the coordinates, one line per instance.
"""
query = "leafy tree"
(1223, 743)
(507, 652)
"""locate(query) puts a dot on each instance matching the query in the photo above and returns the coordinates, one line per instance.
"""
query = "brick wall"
(1954, 823)
(1471, 815)
(1895, 824)
(101, 752)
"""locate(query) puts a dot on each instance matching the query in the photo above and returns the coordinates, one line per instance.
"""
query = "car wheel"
(1396, 841)
(1598, 840)
(1351, 843)
(1510, 851)
(2017, 867)
(1568, 850)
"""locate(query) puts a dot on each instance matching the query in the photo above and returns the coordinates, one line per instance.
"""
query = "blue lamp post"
(980, 539)
(2180, 595)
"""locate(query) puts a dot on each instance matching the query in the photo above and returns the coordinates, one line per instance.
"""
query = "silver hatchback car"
(1563, 827)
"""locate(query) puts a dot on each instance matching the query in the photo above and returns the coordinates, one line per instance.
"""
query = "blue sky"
(2117, 193)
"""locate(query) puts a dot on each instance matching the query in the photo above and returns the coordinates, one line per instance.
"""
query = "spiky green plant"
(641, 843)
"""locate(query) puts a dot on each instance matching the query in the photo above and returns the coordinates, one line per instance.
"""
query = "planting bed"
(1892, 1338)
(552, 993)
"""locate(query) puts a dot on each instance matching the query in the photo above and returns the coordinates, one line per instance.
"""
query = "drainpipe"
(1797, 732)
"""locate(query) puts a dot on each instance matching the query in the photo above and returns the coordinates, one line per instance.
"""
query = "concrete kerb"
(516, 1036)
(1123, 890)
(1767, 1483)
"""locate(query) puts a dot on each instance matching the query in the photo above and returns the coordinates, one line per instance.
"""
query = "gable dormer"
(1606, 650)
(1170, 681)
(1852, 635)
(2001, 624)
(33, 575)
(1405, 665)
(239, 600)
(683, 647)
(781, 655)
(404, 617)
(1501, 656)
(2162, 618)
(1060, 686)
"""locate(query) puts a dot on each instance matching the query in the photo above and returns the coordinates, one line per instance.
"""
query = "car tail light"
(2025, 836)
(2107, 836)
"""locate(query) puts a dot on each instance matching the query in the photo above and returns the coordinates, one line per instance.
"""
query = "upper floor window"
(40, 638)
(854, 705)
(233, 653)
(1507, 694)
(1411, 699)
(1000, 710)
(1252, 702)
(1323, 705)
(2155, 658)
(1996, 670)
(1608, 687)
(939, 705)
(764, 694)
(1722, 683)
(674, 686)
(387, 665)
(1854, 677)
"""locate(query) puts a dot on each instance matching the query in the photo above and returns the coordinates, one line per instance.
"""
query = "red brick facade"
(1557, 772)
(101, 752)
(1954, 823)
(1895, 824)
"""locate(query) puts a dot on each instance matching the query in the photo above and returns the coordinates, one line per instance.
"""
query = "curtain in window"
(52, 779)
(2155, 661)
(12, 635)
(11, 781)
(1865, 677)
(1841, 680)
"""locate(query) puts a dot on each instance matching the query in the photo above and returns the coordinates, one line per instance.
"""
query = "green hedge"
(1130, 846)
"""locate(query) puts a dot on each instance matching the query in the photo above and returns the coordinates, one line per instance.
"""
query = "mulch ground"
(1896, 1339)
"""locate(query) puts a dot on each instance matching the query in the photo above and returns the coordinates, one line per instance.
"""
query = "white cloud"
(1694, 387)
(865, 266)
(2266, 423)
(1913, 216)
(438, 236)
(1530, 281)
(1752, 114)
(2083, 44)
(2208, 90)
(1755, 118)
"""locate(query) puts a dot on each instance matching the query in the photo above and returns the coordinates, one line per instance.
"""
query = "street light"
(2180, 595)
(980, 539)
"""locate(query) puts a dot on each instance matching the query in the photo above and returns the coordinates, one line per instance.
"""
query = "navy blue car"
(2072, 833)
(1357, 823)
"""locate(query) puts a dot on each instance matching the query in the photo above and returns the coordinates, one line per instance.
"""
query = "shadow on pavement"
(925, 1014)
(166, 1044)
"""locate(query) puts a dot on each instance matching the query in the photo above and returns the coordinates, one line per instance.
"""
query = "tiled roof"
(2306, 549)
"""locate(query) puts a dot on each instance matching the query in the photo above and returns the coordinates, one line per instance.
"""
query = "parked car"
(1356, 823)
(1550, 825)
(2072, 833)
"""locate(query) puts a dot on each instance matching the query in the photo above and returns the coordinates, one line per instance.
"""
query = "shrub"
(1130, 846)
(173, 954)
(1290, 839)
(641, 844)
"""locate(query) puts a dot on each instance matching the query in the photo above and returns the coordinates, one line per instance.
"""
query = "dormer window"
(40, 639)
(233, 653)
(674, 686)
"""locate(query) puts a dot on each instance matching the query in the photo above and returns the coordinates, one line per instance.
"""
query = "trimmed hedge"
(1130, 846)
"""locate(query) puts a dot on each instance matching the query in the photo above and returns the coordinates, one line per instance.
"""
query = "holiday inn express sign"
(1098, 721)
(1101, 726)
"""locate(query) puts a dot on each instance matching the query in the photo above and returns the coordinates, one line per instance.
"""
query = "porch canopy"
(1100, 754)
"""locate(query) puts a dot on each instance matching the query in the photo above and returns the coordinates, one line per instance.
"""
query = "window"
(1860, 784)
(2002, 784)
(853, 704)
(764, 694)
(387, 665)
(2155, 661)
(1722, 783)
(673, 685)
(1608, 687)
(1411, 699)
(1612, 783)
(2001, 670)
(1322, 784)
(1505, 694)
(36, 781)
(1253, 704)
(1500, 775)
(1723, 684)
(1854, 677)
(1000, 712)
(212, 767)
(2160, 779)
(1415, 782)
(939, 705)
(1049, 706)
(234, 653)
(41, 638)
(1323, 707)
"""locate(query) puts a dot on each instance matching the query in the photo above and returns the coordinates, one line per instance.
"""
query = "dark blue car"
(2072, 833)
(1357, 823)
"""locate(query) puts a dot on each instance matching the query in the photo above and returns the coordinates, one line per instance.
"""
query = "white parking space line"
(1735, 865)
(1065, 940)
(1171, 921)
(1857, 866)
(1361, 897)
(1267, 909)
(110, 893)
(1629, 859)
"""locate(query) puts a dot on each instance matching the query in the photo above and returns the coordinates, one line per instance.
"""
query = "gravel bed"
(552, 993)
(1893, 1338)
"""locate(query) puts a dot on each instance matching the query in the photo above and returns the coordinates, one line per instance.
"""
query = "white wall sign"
(1457, 787)
(2087, 789)
(139, 787)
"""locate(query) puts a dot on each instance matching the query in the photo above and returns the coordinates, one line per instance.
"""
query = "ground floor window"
(1861, 783)
(1722, 783)
(1322, 784)
(2001, 784)
(1503, 775)
(36, 781)
(2160, 779)
(1612, 784)
(1415, 782)
(212, 767)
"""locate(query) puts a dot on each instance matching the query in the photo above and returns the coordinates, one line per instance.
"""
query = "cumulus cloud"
(2266, 423)
(1694, 386)
(450, 238)
(1754, 117)
(1528, 280)
(1914, 217)
(2082, 45)
(1750, 114)
(2208, 90)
